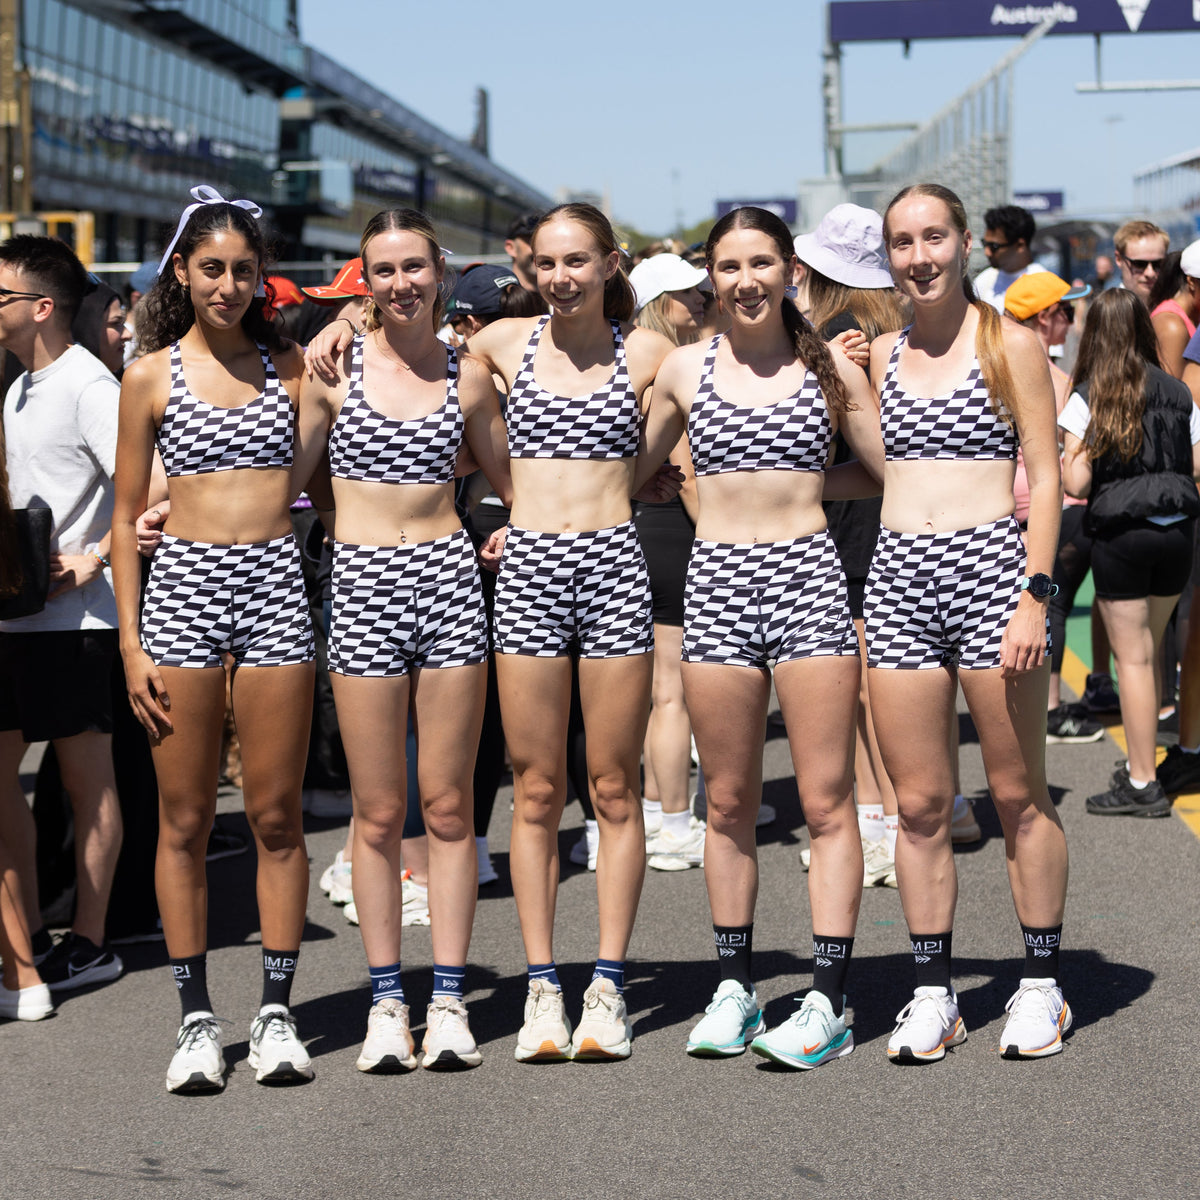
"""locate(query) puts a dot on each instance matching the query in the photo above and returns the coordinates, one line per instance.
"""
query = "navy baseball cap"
(478, 291)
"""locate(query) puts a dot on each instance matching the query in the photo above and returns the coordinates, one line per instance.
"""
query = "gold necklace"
(388, 354)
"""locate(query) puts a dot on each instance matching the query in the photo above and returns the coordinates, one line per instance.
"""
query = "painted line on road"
(1074, 673)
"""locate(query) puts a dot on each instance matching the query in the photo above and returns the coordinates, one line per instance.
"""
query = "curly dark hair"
(168, 306)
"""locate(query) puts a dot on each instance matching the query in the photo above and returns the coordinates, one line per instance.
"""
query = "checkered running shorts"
(203, 601)
(943, 599)
(400, 608)
(562, 593)
(749, 604)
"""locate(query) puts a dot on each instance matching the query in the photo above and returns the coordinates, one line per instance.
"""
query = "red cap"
(346, 283)
(284, 290)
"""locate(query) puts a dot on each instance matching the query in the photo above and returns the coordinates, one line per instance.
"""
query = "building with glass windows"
(122, 105)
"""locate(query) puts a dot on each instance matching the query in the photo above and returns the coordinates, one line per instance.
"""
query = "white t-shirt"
(991, 284)
(1076, 416)
(60, 426)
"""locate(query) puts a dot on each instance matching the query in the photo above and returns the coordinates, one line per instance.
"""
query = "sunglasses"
(1140, 265)
(992, 247)
(1068, 310)
(9, 294)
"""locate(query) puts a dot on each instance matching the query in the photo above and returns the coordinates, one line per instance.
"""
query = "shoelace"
(725, 998)
(196, 1031)
(544, 1004)
(1028, 995)
(599, 999)
(909, 1010)
(442, 1015)
(279, 1027)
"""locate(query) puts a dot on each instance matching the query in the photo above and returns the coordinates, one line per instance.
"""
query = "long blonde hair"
(989, 337)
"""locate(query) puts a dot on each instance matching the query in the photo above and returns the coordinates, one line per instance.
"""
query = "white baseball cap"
(847, 246)
(1189, 260)
(664, 273)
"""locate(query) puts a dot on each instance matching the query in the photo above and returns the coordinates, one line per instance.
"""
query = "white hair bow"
(204, 194)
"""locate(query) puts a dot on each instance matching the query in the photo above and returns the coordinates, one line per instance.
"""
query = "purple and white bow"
(204, 194)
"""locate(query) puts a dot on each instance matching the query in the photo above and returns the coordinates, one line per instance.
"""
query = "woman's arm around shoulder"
(666, 415)
(645, 351)
(483, 424)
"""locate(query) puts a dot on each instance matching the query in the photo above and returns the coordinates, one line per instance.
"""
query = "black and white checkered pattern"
(960, 425)
(585, 593)
(790, 435)
(750, 604)
(403, 608)
(364, 444)
(203, 601)
(195, 438)
(943, 599)
(603, 424)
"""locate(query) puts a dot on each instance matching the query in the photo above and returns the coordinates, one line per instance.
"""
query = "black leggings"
(1071, 565)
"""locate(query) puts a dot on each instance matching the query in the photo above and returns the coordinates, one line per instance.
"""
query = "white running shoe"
(878, 863)
(448, 1044)
(414, 902)
(812, 1035)
(350, 912)
(26, 1004)
(729, 1024)
(546, 1034)
(277, 1054)
(1038, 1016)
(806, 857)
(604, 1031)
(388, 1048)
(583, 853)
(925, 1026)
(487, 869)
(339, 877)
(672, 853)
(198, 1064)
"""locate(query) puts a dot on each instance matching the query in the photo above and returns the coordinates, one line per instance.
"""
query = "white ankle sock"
(891, 827)
(870, 822)
(677, 823)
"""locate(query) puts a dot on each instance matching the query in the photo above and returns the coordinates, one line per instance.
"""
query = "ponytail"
(817, 356)
(993, 361)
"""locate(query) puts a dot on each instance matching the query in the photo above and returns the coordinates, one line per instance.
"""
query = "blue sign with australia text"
(888, 20)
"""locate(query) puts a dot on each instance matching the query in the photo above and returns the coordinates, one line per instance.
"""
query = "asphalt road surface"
(87, 1115)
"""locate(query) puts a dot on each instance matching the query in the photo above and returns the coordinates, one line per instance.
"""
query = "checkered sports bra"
(603, 424)
(792, 434)
(960, 424)
(196, 438)
(366, 445)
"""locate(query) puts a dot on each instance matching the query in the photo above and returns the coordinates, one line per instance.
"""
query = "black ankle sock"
(931, 954)
(191, 978)
(279, 968)
(1041, 951)
(831, 958)
(41, 941)
(734, 945)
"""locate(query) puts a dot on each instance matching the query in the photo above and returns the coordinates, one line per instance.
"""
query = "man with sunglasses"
(1141, 248)
(1006, 242)
(60, 425)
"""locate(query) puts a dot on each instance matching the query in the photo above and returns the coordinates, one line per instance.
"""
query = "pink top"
(1173, 306)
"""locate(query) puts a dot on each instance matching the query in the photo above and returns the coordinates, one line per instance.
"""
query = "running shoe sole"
(547, 1052)
(730, 1049)
(905, 1054)
(197, 1083)
(389, 1064)
(838, 1048)
(1055, 739)
(448, 1060)
(1160, 808)
(590, 1050)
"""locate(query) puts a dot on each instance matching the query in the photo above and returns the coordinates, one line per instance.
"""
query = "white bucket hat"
(663, 273)
(847, 246)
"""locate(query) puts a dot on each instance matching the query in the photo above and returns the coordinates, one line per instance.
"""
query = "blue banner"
(1040, 202)
(784, 209)
(910, 20)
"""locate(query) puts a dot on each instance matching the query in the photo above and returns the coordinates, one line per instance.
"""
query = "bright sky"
(668, 106)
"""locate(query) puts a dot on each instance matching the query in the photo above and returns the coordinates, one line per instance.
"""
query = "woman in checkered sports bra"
(573, 584)
(955, 598)
(216, 394)
(408, 627)
(766, 588)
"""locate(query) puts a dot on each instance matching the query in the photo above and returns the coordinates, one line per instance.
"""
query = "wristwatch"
(1039, 586)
